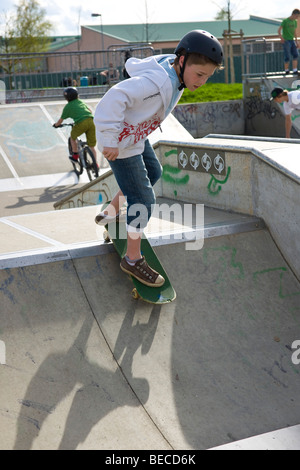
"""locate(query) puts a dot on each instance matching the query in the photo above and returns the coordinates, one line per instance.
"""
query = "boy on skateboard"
(124, 118)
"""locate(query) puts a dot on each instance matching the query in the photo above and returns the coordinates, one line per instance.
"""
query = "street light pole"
(99, 14)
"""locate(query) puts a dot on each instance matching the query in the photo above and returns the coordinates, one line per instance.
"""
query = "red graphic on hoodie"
(140, 131)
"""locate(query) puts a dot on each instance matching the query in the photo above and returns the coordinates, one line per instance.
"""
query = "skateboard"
(116, 232)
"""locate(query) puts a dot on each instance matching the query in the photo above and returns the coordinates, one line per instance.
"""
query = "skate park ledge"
(256, 177)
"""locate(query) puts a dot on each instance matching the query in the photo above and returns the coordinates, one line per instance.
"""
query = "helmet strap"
(182, 68)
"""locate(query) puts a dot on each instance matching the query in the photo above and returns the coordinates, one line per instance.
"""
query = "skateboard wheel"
(135, 293)
(106, 236)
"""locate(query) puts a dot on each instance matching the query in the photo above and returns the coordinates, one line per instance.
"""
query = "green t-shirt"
(76, 110)
(288, 29)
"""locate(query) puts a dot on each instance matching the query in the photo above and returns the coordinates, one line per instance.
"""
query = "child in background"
(288, 35)
(83, 118)
(290, 101)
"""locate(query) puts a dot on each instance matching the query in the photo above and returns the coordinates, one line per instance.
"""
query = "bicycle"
(86, 159)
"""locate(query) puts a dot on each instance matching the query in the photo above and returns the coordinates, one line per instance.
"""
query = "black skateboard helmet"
(277, 91)
(71, 93)
(199, 42)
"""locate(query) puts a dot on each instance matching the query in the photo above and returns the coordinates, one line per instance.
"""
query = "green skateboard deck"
(116, 232)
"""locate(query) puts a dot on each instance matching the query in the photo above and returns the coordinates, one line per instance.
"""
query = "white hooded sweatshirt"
(135, 107)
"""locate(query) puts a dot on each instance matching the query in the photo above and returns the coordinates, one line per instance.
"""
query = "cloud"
(68, 14)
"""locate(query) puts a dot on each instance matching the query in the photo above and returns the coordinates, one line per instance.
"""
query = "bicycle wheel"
(78, 168)
(91, 164)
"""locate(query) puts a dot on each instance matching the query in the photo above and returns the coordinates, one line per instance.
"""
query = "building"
(165, 36)
(71, 59)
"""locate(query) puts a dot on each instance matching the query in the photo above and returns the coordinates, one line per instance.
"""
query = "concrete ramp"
(88, 367)
(31, 148)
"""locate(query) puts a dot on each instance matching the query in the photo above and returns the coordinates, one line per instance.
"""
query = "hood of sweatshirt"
(133, 108)
(151, 69)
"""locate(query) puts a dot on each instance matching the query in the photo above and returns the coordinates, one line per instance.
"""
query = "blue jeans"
(290, 49)
(136, 177)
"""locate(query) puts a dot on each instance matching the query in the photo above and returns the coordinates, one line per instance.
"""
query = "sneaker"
(74, 158)
(286, 72)
(295, 72)
(103, 219)
(142, 272)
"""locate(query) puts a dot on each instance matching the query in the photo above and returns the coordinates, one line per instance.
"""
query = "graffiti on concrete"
(171, 174)
(214, 186)
(21, 137)
(226, 259)
(255, 106)
(28, 132)
(282, 293)
(187, 116)
(24, 96)
(203, 118)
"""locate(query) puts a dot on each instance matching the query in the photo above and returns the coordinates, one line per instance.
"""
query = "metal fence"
(59, 69)
(21, 74)
(262, 57)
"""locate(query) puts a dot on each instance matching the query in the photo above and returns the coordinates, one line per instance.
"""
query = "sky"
(68, 15)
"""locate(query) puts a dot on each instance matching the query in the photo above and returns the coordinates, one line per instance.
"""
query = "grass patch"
(213, 92)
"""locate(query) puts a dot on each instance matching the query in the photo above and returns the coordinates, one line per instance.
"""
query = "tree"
(6, 41)
(222, 14)
(31, 31)
(26, 31)
(225, 13)
(7, 38)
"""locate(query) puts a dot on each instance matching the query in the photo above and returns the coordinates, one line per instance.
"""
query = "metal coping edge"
(70, 252)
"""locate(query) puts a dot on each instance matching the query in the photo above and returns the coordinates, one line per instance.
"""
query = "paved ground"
(87, 367)
(34, 168)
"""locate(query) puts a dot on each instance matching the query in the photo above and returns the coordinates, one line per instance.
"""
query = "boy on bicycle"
(83, 118)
